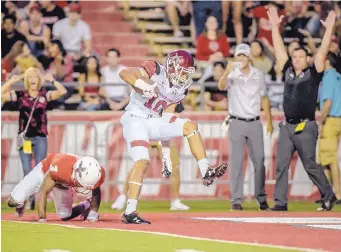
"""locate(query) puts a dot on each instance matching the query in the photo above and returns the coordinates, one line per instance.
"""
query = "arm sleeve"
(151, 67)
(100, 182)
(262, 86)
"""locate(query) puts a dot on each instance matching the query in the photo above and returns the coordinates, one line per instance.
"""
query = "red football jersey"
(60, 166)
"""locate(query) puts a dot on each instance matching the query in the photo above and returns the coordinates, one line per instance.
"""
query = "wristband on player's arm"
(139, 83)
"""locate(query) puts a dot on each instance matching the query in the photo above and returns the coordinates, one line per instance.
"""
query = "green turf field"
(18, 237)
(44, 238)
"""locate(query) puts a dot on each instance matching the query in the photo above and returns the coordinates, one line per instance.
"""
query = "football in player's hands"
(148, 81)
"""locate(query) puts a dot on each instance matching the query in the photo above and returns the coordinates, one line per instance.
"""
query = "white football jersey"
(155, 106)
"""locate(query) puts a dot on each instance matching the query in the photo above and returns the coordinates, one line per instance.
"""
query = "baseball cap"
(75, 7)
(242, 49)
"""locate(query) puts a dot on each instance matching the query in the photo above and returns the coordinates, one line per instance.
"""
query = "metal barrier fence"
(104, 141)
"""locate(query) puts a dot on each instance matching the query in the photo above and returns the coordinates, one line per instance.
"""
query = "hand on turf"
(93, 216)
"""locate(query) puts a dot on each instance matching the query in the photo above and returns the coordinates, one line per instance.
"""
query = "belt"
(244, 119)
(334, 116)
(296, 121)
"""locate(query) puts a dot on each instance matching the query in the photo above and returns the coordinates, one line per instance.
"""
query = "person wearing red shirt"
(264, 25)
(211, 44)
(60, 173)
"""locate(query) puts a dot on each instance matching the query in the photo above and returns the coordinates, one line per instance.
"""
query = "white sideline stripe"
(326, 226)
(278, 220)
(177, 236)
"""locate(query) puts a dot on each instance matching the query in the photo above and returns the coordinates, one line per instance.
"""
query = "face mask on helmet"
(86, 174)
(180, 76)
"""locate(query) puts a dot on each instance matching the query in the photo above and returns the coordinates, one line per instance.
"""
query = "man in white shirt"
(72, 32)
(117, 93)
(246, 95)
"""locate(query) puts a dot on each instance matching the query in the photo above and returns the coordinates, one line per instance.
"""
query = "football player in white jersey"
(149, 116)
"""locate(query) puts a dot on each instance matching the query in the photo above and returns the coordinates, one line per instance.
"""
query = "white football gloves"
(147, 89)
(167, 165)
(93, 216)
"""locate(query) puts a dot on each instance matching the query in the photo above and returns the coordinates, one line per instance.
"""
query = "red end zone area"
(316, 231)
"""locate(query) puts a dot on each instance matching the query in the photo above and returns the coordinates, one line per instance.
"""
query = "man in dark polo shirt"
(299, 131)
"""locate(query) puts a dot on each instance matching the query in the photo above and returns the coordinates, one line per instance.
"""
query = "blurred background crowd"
(84, 45)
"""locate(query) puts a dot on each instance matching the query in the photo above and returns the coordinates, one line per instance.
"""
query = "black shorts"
(183, 21)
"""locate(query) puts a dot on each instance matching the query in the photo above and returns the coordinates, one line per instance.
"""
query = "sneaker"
(119, 202)
(177, 205)
(236, 207)
(263, 206)
(133, 218)
(279, 208)
(327, 205)
(178, 34)
(213, 173)
(19, 211)
(338, 202)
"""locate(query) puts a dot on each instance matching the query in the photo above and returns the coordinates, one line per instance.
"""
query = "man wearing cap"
(330, 123)
(72, 31)
(246, 95)
(299, 131)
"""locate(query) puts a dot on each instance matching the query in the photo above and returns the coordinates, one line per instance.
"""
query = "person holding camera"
(32, 104)
(246, 96)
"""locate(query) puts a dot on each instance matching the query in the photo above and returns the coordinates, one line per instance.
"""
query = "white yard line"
(176, 236)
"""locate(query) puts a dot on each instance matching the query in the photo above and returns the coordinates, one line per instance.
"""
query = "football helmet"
(86, 174)
(180, 68)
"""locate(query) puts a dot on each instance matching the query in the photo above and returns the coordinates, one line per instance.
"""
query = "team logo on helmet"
(180, 68)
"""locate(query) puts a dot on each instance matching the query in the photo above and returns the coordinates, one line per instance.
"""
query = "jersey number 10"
(158, 106)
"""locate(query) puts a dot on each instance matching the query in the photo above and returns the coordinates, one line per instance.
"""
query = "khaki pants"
(329, 142)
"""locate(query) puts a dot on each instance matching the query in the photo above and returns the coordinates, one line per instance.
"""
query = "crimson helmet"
(180, 68)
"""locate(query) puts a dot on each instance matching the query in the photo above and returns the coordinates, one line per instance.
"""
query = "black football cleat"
(278, 208)
(133, 218)
(214, 172)
(263, 206)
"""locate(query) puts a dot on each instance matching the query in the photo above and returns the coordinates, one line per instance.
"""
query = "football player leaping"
(149, 116)
(59, 173)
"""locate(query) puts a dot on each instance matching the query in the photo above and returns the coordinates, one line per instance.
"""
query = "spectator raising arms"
(9, 35)
(51, 13)
(90, 95)
(37, 34)
(72, 32)
(32, 99)
(212, 45)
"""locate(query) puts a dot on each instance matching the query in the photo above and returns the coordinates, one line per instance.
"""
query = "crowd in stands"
(52, 36)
